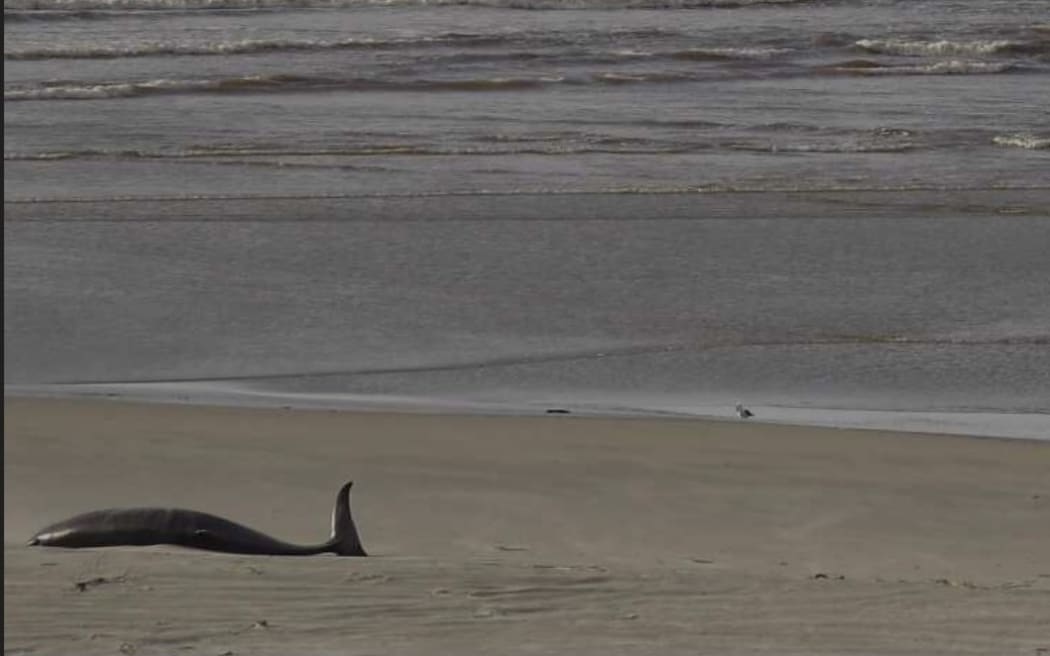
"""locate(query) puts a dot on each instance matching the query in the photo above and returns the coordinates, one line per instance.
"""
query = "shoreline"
(956, 423)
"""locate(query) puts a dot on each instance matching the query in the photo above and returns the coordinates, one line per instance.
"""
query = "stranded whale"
(198, 530)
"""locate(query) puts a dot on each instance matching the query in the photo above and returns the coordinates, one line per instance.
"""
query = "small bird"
(743, 412)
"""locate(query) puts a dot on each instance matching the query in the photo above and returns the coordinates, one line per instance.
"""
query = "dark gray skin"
(197, 530)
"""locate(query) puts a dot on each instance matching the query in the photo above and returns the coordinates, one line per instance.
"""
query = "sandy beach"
(527, 535)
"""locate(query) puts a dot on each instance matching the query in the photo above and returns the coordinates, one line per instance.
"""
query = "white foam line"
(1016, 425)
(1033, 426)
(497, 193)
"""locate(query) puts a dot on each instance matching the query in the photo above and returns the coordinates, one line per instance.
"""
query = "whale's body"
(194, 529)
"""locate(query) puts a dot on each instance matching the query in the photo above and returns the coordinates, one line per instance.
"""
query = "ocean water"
(835, 212)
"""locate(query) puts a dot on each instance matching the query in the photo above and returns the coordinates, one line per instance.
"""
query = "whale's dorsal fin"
(344, 541)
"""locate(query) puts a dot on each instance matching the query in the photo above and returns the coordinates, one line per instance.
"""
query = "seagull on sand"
(743, 412)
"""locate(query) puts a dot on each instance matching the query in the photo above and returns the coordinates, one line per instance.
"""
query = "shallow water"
(622, 205)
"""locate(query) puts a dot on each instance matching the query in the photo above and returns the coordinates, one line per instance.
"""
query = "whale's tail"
(344, 541)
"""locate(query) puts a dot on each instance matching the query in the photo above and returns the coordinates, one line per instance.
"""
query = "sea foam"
(936, 48)
(1026, 141)
(181, 5)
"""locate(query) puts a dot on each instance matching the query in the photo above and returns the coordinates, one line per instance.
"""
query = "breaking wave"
(245, 46)
(1026, 141)
(945, 48)
(298, 83)
(160, 86)
(707, 54)
(72, 6)
(449, 39)
(948, 67)
(836, 147)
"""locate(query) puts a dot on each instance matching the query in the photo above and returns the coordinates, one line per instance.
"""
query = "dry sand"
(528, 535)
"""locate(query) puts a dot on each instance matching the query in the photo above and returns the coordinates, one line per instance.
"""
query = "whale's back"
(139, 527)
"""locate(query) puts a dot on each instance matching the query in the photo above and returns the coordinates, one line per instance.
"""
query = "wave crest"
(244, 46)
(940, 48)
(298, 83)
(948, 67)
(716, 54)
(149, 87)
(72, 6)
(1026, 141)
(454, 39)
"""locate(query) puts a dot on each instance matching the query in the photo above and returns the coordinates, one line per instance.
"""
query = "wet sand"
(515, 535)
